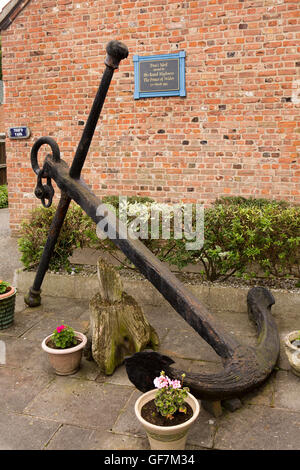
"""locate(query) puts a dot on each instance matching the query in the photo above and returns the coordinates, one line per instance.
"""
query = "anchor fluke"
(246, 368)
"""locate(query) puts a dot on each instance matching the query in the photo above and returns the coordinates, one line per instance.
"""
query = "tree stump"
(118, 325)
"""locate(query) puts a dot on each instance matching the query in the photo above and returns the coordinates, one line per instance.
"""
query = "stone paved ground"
(39, 410)
(9, 254)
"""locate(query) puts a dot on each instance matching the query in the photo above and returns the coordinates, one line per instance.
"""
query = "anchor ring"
(35, 148)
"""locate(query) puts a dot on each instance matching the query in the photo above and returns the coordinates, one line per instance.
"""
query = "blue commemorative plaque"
(159, 75)
(21, 132)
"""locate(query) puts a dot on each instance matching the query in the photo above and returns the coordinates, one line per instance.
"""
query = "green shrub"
(278, 239)
(3, 197)
(237, 233)
(235, 236)
(74, 233)
(249, 202)
(78, 230)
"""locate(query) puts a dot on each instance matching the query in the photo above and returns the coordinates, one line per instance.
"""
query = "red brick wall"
(236, 132)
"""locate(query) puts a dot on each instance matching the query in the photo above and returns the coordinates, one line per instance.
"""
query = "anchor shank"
(116, 51)
(88, 132)
(183, 301)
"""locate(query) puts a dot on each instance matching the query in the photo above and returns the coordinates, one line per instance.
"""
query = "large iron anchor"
(244, 367)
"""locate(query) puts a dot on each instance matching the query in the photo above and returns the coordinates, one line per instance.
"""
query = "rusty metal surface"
(244, 367)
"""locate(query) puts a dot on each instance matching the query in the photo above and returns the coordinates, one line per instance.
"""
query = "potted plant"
(167, 413)
(64, 348)
(7, 304)
(292, 349)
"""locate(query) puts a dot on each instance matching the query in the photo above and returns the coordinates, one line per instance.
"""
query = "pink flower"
(59, 328)
(161, 382)
(175, 383)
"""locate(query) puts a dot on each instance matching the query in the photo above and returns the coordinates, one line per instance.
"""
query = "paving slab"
(160, 322)
(23, 322)
(46, 317)
(10, 255)
(65, 306)
(19, 387)
(24, 353)
(177, 337)
(4, 223)
(181, 340)
(185, 342)
(288, 321)
(78, 438)
(287, 391)
(80, 402)
(263, 395)
(19, 432)
(258, 428)
(119, 377)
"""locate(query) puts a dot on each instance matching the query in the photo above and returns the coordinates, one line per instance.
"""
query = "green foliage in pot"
(170, 396)
(4, 287)
(64, 337)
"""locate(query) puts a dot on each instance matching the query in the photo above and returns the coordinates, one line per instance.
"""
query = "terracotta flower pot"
(65, 361)
(7, 308)
(293, 352)
(166, 437)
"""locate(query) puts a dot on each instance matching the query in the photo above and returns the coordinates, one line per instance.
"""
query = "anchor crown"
(116, 51)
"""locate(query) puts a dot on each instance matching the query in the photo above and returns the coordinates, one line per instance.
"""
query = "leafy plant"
(239, 233)
(249, 202)
(76, 232)
(3, 197)
(170, 396)
(238, 236)
(64, 337)
(4, 286)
